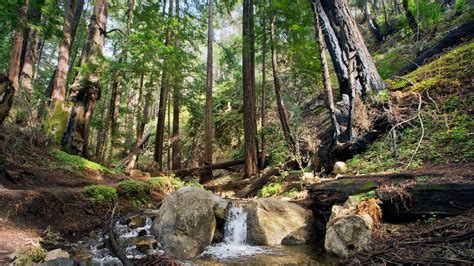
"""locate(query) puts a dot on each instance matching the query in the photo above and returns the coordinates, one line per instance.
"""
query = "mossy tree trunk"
(86, 90)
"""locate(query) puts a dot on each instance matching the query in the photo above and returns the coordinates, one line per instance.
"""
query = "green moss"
(157, 183)
(347, 182)
(56, 124)
(73, 162)
(367, 195)
(133, 188)
(293, 191)
(99, 195)
(369, 185)
(450, 70)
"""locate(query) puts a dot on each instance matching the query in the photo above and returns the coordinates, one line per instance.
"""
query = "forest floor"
(39, 191)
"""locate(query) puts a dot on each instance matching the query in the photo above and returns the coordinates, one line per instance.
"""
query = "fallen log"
(453, 37)
(197, 170)
(259, 181)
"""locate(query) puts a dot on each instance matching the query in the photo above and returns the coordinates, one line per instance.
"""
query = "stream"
(232, 251)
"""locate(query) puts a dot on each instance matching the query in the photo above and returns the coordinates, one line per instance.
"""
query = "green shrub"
(177, 183)
(270, 190)
(195, 183)
(100, 195)
(133, 188)
(156, 183)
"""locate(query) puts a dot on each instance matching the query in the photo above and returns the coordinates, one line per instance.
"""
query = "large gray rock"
(186, 223)
(274, 222)
(346, 232)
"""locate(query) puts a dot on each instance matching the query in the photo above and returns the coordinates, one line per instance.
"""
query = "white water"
(235, 236)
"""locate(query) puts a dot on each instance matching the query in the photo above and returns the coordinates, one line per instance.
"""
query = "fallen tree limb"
(405, 175)
(263, 178)
(114, 246)
(197, 170)
(453, 37)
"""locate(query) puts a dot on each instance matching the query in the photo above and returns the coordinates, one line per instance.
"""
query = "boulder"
(185, 223)
(56, 253)
(340, 168)
(136, 221)
(274, 222)
(143, 245)
(59, 262)
(346, 232)
(220, 207)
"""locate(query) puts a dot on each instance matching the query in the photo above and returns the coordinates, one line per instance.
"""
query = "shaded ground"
(37, 190)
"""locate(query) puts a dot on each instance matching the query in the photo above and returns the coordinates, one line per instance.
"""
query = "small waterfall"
(235, 237)
(235, 230)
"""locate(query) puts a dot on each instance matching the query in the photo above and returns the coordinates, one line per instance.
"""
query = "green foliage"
(29, 254)
(100, 196)
(461, 6)
(133, 188)
(291, 193)
(270, 189)
(157, 183)
(73, 162)
(177, 183)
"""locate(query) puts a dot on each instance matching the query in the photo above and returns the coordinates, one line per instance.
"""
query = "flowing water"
(235, 238)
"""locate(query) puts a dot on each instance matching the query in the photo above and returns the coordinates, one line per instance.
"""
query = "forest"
(236, 132)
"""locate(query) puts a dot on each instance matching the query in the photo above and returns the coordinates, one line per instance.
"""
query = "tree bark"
(26, 75)
(204, 168)
(86, 90)
(276, 81)
(72, 17)
(263, 104)
(8, 89)
(248, 65)
(160, 124)
(411, 19)
(343, 24)
(209, 81)
(316, 5)
(176, 147)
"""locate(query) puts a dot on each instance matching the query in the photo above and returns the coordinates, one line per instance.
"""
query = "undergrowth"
(100, 196)
(446, 87)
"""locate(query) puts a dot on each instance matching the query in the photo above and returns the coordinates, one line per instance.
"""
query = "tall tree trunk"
(411, 19)
(133, 158)
(72, 16)
(209, 81)
(176, 160)
(347, 34)
(9, 88)
(160, 124)
(316, 5)
(385, 16)
(263, 103)
(85, 92)
(26, 75)
(396, 5)
(276, 81)
(372, 23)
(248, 68)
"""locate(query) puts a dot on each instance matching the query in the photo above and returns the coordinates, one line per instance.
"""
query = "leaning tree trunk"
(209, 81)
(175, 145)
(276, 81)
(248, 68)
(160, 124)
(85, 92)
(8, 88)
(349, 38)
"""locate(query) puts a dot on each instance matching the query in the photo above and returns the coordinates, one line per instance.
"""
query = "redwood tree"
(86, 90)
(209, 81)
(248, 68)
(9, 87)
